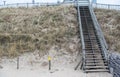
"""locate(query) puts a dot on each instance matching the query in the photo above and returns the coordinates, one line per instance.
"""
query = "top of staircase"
(81, 2)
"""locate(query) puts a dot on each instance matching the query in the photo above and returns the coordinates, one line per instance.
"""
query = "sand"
(31, 65)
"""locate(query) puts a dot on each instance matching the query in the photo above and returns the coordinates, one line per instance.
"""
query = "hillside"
(34, 33)
(110, 24)
(27, 29)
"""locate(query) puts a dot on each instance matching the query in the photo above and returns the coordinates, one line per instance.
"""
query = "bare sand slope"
(31, 65)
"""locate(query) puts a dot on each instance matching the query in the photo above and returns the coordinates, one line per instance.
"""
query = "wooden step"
(93, 56)
(91, 39)
(93, 53)
(94, 59)
(96, 56)
(97, 70)
(92, 46)
(89, 45)
(97, 48)
(92, 42)
(96, 67)
(87, 30)
(88, 34)
(92, 49)
(95, 64)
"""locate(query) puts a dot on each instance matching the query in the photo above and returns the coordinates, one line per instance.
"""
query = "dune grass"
(110, 23)
(27, 29)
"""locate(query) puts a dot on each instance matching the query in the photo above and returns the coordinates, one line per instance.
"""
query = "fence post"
(18, 62)
(96, 5)
(17, 4)
(108, 6)
(27, 5)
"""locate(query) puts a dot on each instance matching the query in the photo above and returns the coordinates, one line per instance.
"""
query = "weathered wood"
(18, 63)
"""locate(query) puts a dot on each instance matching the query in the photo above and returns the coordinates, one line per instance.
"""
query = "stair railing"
(100, 34)
(81, 34)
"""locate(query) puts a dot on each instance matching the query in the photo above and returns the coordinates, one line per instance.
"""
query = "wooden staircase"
(94, 57)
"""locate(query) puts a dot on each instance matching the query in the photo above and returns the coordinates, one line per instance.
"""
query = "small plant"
(35, 22)
(12, 52)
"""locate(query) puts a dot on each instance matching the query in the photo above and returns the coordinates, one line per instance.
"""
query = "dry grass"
(27, 29)
(110, 23)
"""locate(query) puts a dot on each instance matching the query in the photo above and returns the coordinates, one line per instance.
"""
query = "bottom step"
(100, 70)
(96, 67)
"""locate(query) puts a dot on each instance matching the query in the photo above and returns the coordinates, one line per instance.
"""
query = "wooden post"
(18, 63)
(49, 64)
(49, 59)
(108, 6)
